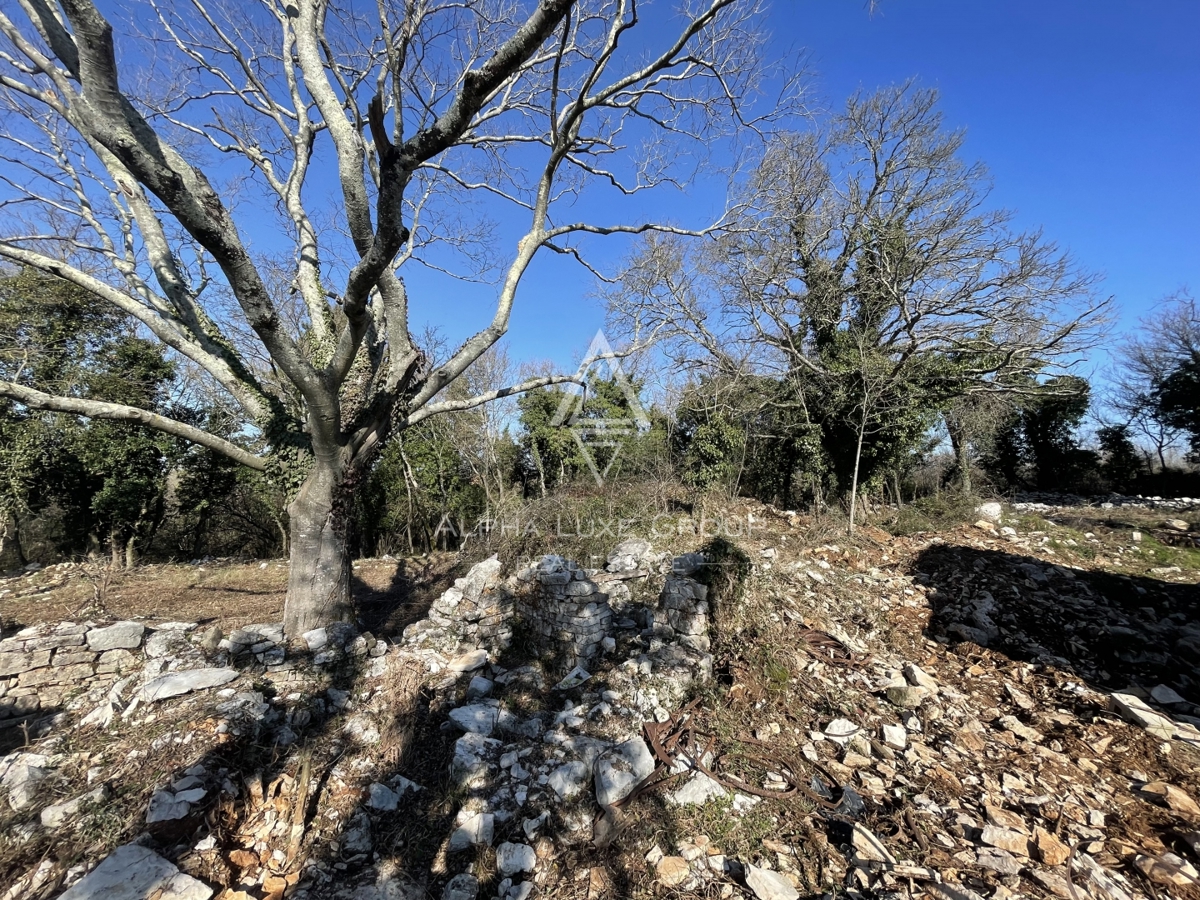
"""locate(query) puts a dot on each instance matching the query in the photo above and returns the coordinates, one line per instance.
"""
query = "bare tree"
(140, 165)
(864, 259)
(1146, 358)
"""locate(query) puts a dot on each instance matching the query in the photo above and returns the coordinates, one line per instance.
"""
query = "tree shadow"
(387, 608)
(1111, 630)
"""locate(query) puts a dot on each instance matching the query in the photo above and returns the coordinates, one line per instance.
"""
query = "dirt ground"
(389, 593)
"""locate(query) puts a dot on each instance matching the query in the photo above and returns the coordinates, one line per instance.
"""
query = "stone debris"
(177, 683)
(61, 813)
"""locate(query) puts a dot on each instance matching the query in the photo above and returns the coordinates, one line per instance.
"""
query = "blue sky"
(1087, 114)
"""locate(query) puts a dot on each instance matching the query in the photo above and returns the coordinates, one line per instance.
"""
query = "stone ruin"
(565, 610)
(569, 612)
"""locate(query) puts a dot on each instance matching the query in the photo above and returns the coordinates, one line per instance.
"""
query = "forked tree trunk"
(318, 590)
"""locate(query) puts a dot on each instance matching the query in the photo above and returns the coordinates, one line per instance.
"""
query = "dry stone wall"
(565, 609)
(42, 666)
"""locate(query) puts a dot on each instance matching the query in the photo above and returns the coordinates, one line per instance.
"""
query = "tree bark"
(318, 590)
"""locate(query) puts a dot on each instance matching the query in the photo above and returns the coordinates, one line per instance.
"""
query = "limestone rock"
(475, 831)
(468, 662)
(176, 683)
(1050, 849)
(569, 779)
(474, 754)
(895, 736)
(907, 697)
(621, 769)
(461, 887)
(134, 873)
(514, 858)
(698, 790)
(121, 636)
(672, 870)
(382, 797)
(17, 663)
(22, 779)
(479, 687)
(768, 885)
(1135, 710)
(990, 510)
(60, 813)
(477, 718)
(1006, 839)
(165, 807)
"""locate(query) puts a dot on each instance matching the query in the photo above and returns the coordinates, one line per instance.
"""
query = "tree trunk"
(318, 590)
(857, 458)
(131, 551)
(115, 545)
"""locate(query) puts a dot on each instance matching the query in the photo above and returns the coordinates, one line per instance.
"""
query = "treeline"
(865, 329)
(74, 486)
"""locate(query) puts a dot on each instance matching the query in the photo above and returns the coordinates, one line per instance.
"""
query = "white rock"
(476, 831)
(514, 858)
(698, 790)
(991, 510)
(478, 718)
(134, 873)
(468, 662)
(316, 639)
(57, 815)
(621, 769)
(165, 808)
(840, 731)
(176, 683)
(895, 736)
(472, 756)
(382, 797)
(768, 885)
(920, 678)
(569, 779)
(1135, 710)
(22, 779)
(461, 887)
(479, 687)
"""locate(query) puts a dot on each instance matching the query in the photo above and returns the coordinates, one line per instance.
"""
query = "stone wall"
(682, 611)
(44, 665)
(565, 609)
(569, 611)
(48, 668)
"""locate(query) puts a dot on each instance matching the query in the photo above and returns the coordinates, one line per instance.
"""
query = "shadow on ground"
(1111, 630)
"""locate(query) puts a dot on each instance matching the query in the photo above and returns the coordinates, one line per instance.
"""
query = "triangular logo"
(595, 434)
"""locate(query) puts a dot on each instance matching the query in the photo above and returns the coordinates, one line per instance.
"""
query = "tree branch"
(97, 409)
